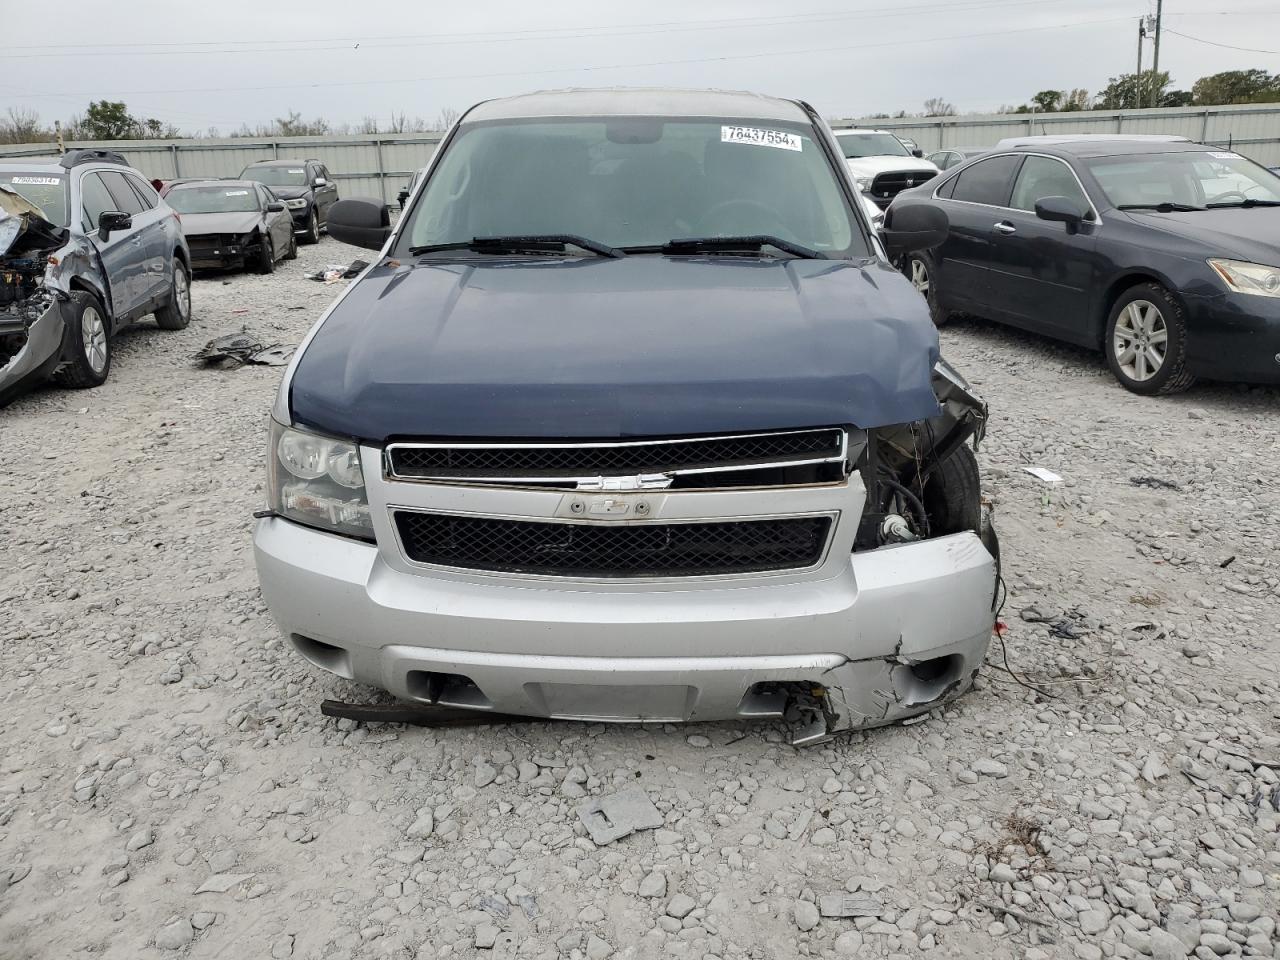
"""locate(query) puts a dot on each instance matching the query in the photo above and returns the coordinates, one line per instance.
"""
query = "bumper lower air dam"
(896, 632)
(34, 360)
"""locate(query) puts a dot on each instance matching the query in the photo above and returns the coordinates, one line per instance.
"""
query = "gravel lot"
(168, 786)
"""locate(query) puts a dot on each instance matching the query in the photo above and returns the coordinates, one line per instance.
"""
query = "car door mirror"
(275, 206)
(321, 181)
(913, 227)
(917, 153)
(1061, 210)
(360, 222)
(111, 220)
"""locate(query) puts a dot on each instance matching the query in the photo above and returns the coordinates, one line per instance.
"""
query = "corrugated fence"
(378, 165)
(1251, 129)
(365, 166)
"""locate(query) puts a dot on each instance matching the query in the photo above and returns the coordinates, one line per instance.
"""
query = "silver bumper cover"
(886, 634)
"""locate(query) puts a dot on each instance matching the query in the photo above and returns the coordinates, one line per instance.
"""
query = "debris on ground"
(334, 272)
(613, 817)
(1155, 483)
(850, 905)
(1040, 473)
(244, 348)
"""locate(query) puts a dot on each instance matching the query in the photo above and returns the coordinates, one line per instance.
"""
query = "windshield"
(46, 191)
(277, 176)
(871, 145)
(1193, 178)
(213, 200)
(635, 182)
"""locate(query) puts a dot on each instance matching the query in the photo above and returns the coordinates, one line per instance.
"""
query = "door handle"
(1005, 227)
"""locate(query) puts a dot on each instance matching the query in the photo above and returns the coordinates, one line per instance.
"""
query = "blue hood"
(600, 348)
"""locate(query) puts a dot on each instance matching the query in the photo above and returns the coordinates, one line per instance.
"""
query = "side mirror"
(914, 227)
(917, 153)
(360, 222)
(321, 181)
(275, 206)
(112, 220)
(1061, 210)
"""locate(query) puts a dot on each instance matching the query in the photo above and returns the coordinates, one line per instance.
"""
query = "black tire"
(919, 269)
(292, 252)
(88, 361)
(953, 494)
(176, 314)
(266, 255)
(312, 233)
(1143, 319)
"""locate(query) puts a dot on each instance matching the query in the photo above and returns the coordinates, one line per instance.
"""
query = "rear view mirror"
(913, 227)
(1061, 210)
(360, 222)
(917, 153)
(111, 220)
(275, 206)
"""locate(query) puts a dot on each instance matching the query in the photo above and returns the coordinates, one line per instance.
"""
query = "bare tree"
(447, 118)
(23, 126)
(937, 107)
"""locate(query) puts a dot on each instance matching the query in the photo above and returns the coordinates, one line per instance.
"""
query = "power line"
(587, 69)
(1225, 46)
(259, 45)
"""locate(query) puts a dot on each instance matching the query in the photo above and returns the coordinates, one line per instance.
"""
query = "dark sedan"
(1164, 255)
(229, 223)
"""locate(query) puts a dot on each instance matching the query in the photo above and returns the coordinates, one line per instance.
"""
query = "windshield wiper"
(752, 243)
(1246, 203)
(1166, 207)
(539, 243)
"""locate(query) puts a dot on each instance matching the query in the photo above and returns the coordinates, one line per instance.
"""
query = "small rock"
(175, 934)
(680, 906)
(806, 914)
(990, 768)
(653, 885)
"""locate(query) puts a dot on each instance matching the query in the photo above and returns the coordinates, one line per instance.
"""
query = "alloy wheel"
(93, 336)
(181, 292)
(920, 276)
(1141, 340)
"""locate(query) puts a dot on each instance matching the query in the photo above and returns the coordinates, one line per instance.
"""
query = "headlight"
(296, 204)
(318, 481)
(1254, 278)
(864, 183)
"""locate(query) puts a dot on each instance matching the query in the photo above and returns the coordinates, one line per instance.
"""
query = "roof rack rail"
(73, 158)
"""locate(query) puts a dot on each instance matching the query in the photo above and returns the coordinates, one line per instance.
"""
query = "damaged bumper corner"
(29, 355)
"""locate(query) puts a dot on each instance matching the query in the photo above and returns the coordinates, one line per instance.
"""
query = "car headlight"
(317, 481)
(1254, 278)
(296, 204)
(864, 183)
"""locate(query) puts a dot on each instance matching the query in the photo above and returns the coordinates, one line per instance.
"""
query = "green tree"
(108, 120)
(1236, 86)
(1046, 101)
(1131, 90)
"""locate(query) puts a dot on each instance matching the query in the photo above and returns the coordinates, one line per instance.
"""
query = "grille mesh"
(633, 458)
(608, 550)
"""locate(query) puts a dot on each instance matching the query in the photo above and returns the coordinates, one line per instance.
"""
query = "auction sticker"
(236, 193)
(1225, 156)
(761, 138)
(42, 181)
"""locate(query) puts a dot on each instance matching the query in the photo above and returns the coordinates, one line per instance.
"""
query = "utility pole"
(1155, 59)
(1137, 76)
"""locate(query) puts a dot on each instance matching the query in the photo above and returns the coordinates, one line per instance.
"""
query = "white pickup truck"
(881, 165)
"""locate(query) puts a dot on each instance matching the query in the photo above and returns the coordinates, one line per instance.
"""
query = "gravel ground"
(168, 786)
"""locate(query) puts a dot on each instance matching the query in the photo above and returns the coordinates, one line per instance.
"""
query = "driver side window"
(94, 201)
(1042, 177)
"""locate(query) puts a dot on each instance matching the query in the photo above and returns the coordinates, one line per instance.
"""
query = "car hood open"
(23, 228)
(203, 224)
(601, 348)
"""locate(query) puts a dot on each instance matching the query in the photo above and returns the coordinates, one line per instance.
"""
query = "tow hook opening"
(446, 689)
(323, 655)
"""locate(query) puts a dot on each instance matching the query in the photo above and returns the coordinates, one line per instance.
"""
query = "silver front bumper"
(886, 633)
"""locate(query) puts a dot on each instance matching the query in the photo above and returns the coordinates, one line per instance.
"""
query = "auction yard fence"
(378, 165)
(1252, 129)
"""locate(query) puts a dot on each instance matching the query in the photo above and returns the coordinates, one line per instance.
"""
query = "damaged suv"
(646, 427)
(86, 247)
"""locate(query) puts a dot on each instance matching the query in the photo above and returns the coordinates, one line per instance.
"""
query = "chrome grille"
(612, 550)
(485, 461)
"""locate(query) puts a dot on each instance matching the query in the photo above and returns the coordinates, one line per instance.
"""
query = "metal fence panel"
(364, 166)
(1252, 129)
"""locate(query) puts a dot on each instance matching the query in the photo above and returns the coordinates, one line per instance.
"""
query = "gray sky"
(238, 62)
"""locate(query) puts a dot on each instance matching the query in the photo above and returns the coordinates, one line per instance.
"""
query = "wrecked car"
(305, 187)
(646, 427)
(86, 248)
(233, 223)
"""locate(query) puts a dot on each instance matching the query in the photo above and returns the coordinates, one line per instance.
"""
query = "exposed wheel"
(1146, 342)
(176, 314)
(953, 494)
(292, 252)
(312, 234)
(920, 271)
(88, 347)
(266, 255)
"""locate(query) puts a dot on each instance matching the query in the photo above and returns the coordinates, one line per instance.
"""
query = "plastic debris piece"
(613, 817)
(222, 882)
(1040, 473)
(849, 905)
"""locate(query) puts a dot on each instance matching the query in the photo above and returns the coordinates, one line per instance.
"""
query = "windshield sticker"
(41, 181)
(762, 138)
(299, 170)
(236, 193)
(1225, 156)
